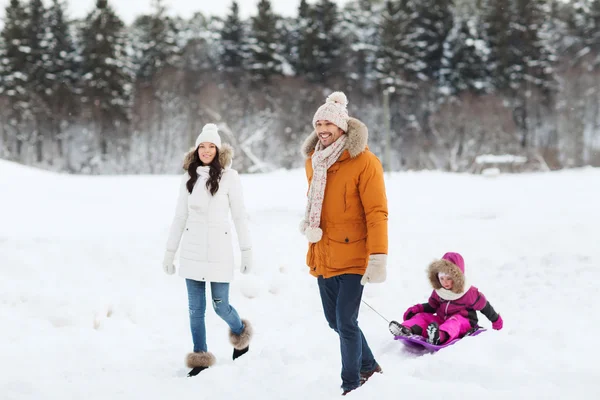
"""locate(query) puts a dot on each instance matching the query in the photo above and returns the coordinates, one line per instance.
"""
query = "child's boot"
(433, 333)
(399, 330)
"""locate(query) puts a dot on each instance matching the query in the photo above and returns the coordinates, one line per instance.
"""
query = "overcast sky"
(129, 9)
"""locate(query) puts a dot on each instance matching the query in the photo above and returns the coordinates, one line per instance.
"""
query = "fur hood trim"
(225, 156)
(242, 340)
(200, 359)
(358, 136)
(449, 268)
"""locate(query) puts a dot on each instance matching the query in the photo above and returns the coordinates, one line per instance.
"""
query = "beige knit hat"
(334, 110)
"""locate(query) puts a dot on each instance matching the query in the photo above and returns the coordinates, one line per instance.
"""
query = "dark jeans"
(197, 305)
(341, 296)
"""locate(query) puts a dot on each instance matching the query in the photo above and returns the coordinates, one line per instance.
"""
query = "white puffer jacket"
(203, 227)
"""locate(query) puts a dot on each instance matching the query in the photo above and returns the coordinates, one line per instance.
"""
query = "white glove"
(168, 266)
(246, 261)
(375, 272)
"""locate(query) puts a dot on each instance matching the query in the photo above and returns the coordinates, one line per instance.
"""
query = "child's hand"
(408, 314)
(498, 324)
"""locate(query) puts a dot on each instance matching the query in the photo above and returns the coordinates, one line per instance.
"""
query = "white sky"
(129, 9)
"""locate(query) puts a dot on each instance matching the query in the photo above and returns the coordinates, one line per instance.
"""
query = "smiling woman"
(209, 190)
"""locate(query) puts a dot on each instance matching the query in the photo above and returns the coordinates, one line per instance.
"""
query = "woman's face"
(207, 152)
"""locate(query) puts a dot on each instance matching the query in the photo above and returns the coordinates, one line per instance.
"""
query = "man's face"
(328, 132)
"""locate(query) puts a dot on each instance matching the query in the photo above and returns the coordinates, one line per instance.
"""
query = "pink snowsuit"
(456, 314)
(455, 317)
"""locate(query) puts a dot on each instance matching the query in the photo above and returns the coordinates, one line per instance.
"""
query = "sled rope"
(376, 311)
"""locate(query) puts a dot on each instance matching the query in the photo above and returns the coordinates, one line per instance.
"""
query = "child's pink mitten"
(498, 324)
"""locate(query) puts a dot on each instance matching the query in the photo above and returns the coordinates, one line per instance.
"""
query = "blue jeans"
(197, 305)
(341, 296)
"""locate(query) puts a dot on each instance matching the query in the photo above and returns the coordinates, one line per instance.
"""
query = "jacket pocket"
(348, 247)
(220, 246)
(193, 246)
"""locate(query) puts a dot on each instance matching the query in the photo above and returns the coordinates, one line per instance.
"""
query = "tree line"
(455, 79)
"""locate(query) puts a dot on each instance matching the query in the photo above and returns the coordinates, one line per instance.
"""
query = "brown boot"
(364, 376)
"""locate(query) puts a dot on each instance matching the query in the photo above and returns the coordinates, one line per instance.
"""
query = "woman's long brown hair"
(214, 173)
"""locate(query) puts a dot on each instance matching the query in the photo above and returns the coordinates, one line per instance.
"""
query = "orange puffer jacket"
(354, 215)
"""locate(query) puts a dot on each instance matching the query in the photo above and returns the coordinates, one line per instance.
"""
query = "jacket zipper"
(446, 311)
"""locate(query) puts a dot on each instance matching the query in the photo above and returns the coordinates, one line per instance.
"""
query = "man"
(346, 225)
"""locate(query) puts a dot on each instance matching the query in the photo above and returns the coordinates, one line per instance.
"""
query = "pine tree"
(157, 48)
(586, 28)
(464, 59)
(392, 57)
(106, 73)
(264, 62)
(14, 79)
(14, 51)
(232, 38)
(360, 28)
(329, 43)
(304, 47)
(505, 67)
(533, 48)
(521, 60)
(38, 84)
(62, 71)
(428, 24)
(37, 43)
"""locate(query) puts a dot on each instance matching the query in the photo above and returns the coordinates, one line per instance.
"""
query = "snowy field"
(87, 312)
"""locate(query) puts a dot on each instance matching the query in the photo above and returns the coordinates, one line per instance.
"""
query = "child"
(452, 308)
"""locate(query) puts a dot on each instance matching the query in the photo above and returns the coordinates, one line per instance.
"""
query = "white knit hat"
(210, 133)
(334, 110)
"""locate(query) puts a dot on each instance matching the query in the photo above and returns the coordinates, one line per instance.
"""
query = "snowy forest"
(449, 80)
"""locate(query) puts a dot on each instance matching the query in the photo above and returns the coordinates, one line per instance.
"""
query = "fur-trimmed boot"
(241, 342)
(199, 361)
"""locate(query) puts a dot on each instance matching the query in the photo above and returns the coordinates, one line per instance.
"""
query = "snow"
(500, 159)
(87, 311)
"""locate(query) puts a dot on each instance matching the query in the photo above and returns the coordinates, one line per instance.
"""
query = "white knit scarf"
(203, 173)
(322, 159)
(450, 295)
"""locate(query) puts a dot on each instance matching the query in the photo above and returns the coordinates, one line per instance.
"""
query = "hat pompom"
(303, 225)
(313, 234)
(338, 97)
(210, 127)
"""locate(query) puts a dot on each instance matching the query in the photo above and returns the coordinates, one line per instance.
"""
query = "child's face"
(446, 282)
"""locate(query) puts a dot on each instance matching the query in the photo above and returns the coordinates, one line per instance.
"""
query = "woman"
(209, 190)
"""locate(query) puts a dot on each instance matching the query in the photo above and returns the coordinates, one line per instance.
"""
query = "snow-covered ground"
(87, 312)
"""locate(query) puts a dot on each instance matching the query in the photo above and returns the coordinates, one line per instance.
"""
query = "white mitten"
(168, 266)
(376, 272)
(246, 261)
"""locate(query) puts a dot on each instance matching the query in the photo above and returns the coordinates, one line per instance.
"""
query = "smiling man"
(346, 226)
